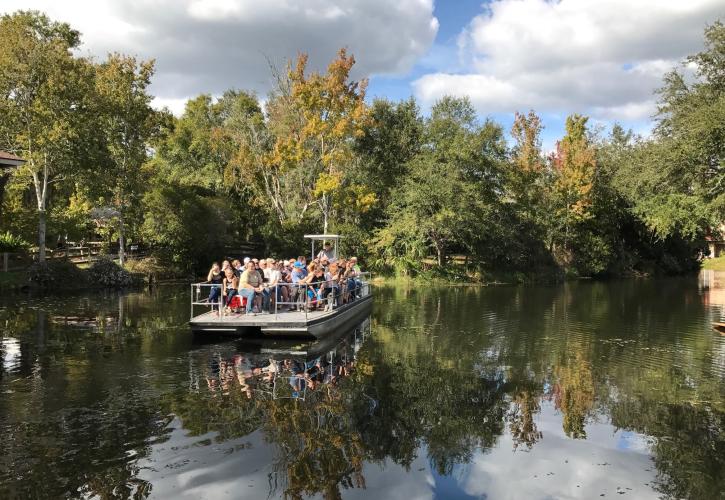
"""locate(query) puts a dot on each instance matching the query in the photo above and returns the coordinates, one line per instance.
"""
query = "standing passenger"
(216, 278)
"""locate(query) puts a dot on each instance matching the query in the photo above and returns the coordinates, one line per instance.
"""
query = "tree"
(449, 196)
(574, 162)
(676, 181)
(314, 119)
(44, 100)
(172, 226)
(127, 122)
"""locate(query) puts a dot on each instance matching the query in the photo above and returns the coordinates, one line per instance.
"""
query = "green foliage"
(12, 243)
(187, 230)
(676, 182)
(409, 192)
(149, 267)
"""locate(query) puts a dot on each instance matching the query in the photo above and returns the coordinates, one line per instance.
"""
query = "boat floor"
(282, 319)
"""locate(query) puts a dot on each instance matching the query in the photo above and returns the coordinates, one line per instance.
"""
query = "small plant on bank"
(11, 243)
(105, 272)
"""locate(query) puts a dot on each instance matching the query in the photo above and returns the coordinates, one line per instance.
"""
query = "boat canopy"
(334, 238)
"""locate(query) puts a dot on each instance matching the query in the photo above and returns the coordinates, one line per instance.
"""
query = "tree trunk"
(41, 194)
(325, 213)
(441, 254)
(121, 241)
(41, 234)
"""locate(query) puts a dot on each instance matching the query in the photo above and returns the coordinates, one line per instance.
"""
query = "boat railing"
(202, 299)
(306, 297)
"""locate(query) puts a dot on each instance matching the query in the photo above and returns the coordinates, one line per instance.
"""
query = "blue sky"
(601, 58)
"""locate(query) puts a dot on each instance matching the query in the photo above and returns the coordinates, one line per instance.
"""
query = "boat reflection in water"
(281, 408)
(280, 371)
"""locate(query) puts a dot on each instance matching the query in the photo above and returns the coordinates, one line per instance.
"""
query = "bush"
(59, 274)
(105, 272)
(11, 243)
(148, 267)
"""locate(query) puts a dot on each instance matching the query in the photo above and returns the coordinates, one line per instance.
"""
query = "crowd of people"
(255, 286)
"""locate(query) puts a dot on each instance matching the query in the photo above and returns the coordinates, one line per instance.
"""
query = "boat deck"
(292, 323)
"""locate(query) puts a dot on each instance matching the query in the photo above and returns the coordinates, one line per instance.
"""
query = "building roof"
(9, 160)
(323, 236)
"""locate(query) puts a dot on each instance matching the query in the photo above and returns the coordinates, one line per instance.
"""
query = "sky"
(602, 58)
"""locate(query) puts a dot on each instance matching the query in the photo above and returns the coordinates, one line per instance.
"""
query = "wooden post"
(5, 262)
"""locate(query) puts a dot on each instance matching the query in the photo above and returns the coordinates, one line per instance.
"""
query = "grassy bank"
(717, 264)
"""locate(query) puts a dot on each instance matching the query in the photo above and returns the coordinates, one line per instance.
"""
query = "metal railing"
(306, 297)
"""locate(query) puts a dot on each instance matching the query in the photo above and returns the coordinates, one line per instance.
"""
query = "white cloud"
(602, 57)
(211, 45)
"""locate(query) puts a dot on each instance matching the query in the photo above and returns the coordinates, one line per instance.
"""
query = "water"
(574, 391)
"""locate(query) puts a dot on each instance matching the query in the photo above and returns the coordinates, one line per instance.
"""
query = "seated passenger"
(278, 291)
(316, 282)
(297, 277)
(358, 275)
(250, 287)
(332, 287)
(237, 266)
(229, 287)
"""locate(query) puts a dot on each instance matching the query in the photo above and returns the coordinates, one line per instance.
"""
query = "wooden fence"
(78, 254)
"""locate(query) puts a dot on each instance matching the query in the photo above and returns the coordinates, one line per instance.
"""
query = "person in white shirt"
(326, 252)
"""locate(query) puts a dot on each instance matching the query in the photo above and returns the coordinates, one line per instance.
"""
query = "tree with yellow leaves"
(314, 119)
(574, 163)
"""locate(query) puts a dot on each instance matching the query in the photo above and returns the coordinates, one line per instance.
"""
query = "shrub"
(105, 272)
(148, 267)
(59, 273)
(11, 243)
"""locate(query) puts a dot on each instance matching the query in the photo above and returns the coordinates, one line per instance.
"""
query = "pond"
(583, 390)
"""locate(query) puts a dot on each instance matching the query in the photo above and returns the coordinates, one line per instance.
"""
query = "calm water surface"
(582, 390)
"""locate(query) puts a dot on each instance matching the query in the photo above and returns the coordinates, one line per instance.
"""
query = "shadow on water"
(569, 391)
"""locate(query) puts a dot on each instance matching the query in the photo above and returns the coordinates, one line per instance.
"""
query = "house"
(715, 241)
(7, 163)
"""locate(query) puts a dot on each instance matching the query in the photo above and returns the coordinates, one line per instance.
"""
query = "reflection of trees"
(688, 444)
(432, 400)
(447, 371)
(574, 394)
(522, 425)
(319, 448)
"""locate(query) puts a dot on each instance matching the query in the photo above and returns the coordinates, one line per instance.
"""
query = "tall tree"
(574, 162)
(314, 119)
(128, 122)
(44, 94)
(449, 196)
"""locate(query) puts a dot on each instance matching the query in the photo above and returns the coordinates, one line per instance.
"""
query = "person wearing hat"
(297, 278)
(326, 252)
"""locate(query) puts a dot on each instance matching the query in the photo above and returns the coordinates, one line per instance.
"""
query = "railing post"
(5, 262)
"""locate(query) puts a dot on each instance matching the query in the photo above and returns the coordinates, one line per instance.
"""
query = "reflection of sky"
(611, 462)
(184, 468)
(608, 462)
(11, 353)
